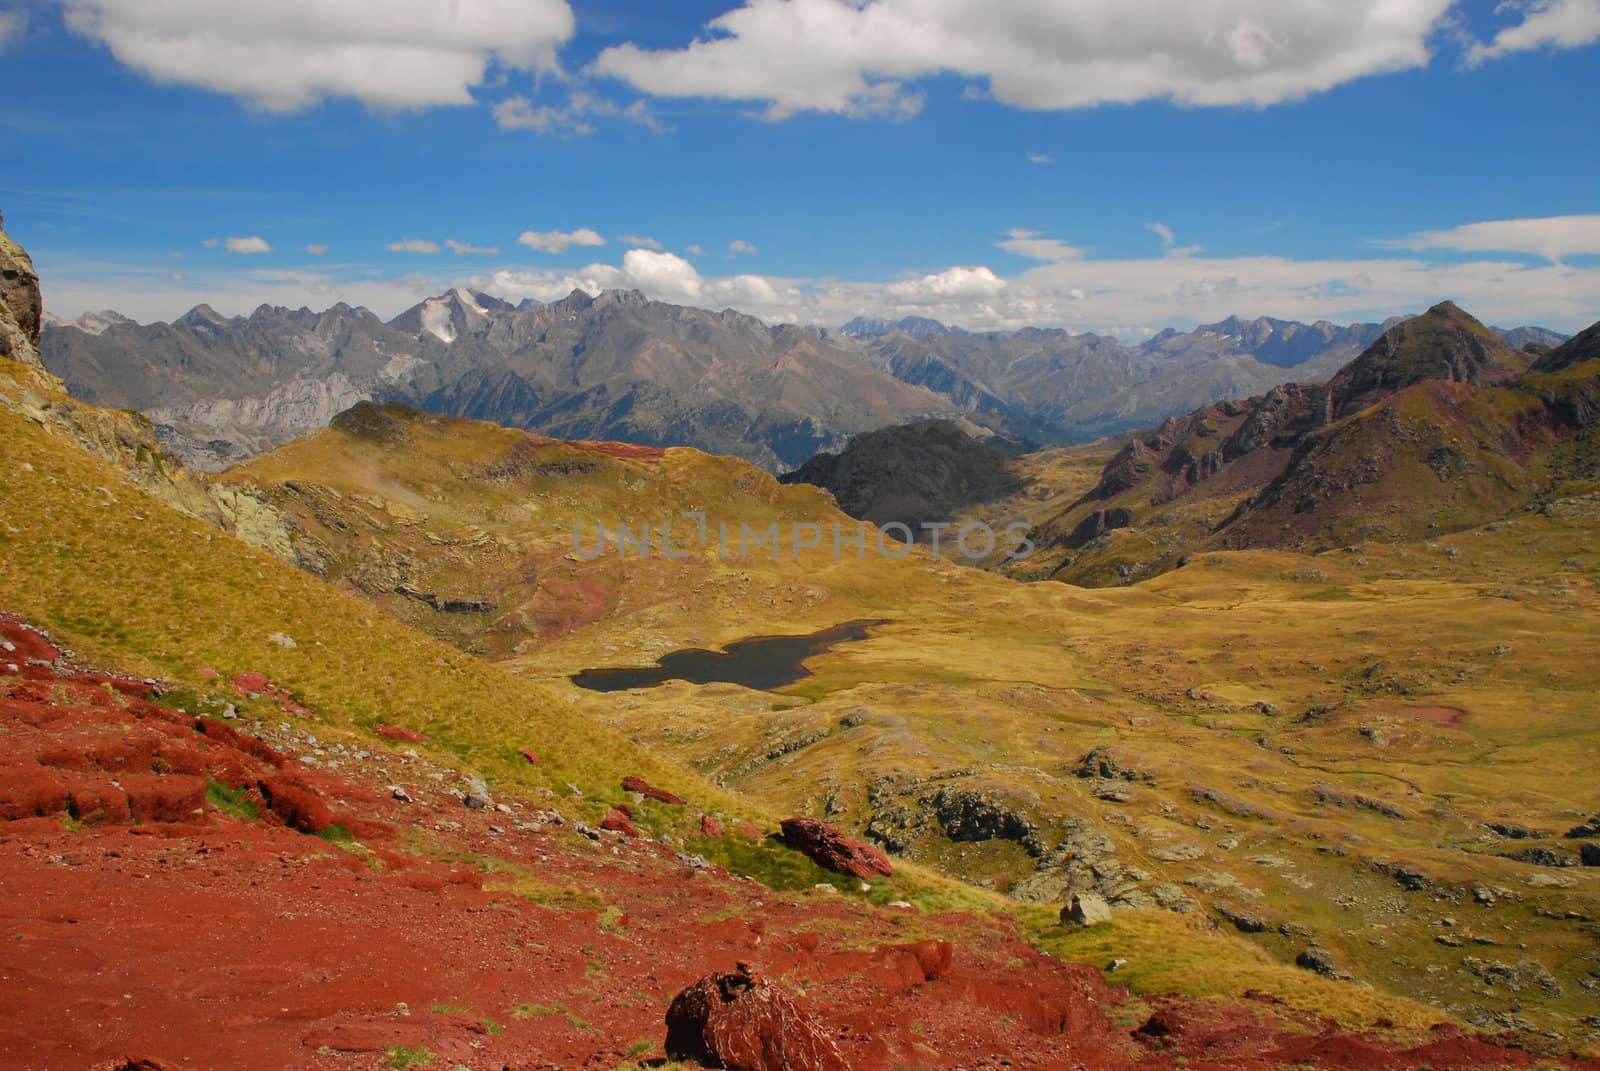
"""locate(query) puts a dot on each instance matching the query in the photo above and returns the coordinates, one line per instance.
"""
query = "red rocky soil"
(138, 921)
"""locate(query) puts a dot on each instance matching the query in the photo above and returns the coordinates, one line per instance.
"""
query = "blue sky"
(1113, 165)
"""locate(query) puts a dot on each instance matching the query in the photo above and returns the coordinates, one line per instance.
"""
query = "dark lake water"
(760, 662)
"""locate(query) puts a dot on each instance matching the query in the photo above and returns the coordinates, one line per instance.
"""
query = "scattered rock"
(282, 640)
(649, 791)
(618, 822)
(399, 792)
(1591, 828)
(832, 850)
(1107, 764)
(1321, 961)
(709, 826)
(532, 757)
(474, 802)
(1589, 854)
(1540, 857)
(1085, 909)
(741, 1022)
(1244, 921)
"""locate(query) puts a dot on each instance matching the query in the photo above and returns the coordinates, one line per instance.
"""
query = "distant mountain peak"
(915, 326)
(202, 315)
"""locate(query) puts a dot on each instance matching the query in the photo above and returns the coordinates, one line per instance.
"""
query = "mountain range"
(621, 366)
(1438, 424)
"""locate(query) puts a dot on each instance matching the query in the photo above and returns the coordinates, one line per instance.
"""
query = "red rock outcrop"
(649, 791)
(741, 1022)
(832, 850)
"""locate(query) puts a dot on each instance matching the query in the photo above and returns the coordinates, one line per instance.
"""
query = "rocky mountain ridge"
(620, 366)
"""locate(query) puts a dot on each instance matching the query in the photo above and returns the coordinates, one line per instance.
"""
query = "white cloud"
(638, 241)
(739, 245)
(210, 243)
(573, 119)
(12, 26)
(468, 249)
(1035, 246)
(1557, 23)
(1164, 232)
(559, 241)
(249, 245)
(1552, 237)
(695, 250)
(952, 284)
(283, 55)
(317, 249)
(520, 113)
(413, 245)
(1040, 158)
(856, 57)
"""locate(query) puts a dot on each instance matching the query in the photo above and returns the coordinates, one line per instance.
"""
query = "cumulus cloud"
(739, 245)
(638, 241)
(249, 245)
(1552, 237)
(952, 284)
(317, 249)
(559, 241)
(468, 249)
(283, 55)
(857, 57)
(1552, 23)
(413, 245)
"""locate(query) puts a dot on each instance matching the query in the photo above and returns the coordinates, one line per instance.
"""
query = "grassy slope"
(1015, 682)
(133, 584)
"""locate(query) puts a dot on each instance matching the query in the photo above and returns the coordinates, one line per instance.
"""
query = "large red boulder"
(618, 822)
(832, 850)
(743, 1023)
(649, 791)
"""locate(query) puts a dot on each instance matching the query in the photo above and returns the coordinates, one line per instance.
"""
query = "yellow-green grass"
(1015, 682)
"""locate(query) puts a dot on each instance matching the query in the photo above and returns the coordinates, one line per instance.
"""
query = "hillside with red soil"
(193, 893)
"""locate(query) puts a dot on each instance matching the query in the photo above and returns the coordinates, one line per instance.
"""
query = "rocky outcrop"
(913, 474)
(832, 850)
(739, 1021)
(21, 307)
(1086, 909)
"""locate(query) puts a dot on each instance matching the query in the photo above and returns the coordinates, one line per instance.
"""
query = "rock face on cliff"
(21, 308)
